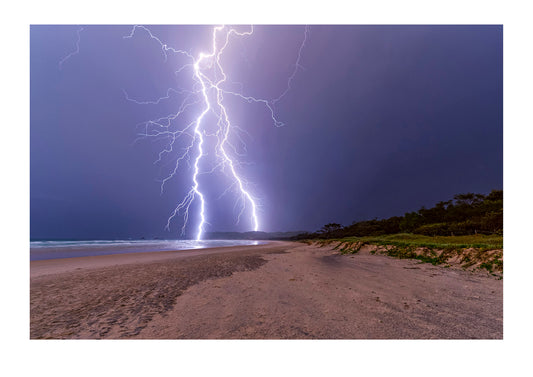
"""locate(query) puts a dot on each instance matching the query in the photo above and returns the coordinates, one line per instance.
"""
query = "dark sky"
(381, 120)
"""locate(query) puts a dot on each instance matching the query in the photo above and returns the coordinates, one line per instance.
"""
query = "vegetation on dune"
(478, 241)
(476, 251)
(467, 231)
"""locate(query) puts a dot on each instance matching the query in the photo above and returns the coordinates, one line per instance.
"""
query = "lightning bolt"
(297, 65)
(75, 52)
(209, 90)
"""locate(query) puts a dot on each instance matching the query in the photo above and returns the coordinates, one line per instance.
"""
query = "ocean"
(41, 250)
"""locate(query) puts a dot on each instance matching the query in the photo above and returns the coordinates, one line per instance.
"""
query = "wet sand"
(281, 290)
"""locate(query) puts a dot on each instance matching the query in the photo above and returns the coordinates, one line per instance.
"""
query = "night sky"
(380, 120)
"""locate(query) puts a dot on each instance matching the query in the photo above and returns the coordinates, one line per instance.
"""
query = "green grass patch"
(429, 249)
(403, 240)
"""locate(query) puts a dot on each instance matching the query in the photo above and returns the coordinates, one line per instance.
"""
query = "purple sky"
(381, 120)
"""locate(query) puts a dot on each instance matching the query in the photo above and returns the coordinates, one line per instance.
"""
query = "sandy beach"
(280, 290)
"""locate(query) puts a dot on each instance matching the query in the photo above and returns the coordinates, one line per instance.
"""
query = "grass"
(437, 249)
(479, 241)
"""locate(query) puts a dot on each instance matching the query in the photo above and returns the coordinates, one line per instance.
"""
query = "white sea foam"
(40, 250)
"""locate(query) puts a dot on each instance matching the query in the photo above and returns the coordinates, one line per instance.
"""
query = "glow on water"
(41, 250)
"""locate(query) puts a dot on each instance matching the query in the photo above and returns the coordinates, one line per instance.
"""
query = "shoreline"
(62, 265)
(281, 290)
(77, 249)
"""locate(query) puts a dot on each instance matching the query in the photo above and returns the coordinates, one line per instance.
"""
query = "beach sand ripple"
(119, 301)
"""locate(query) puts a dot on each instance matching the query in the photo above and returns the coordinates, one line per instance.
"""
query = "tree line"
(465, 214)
